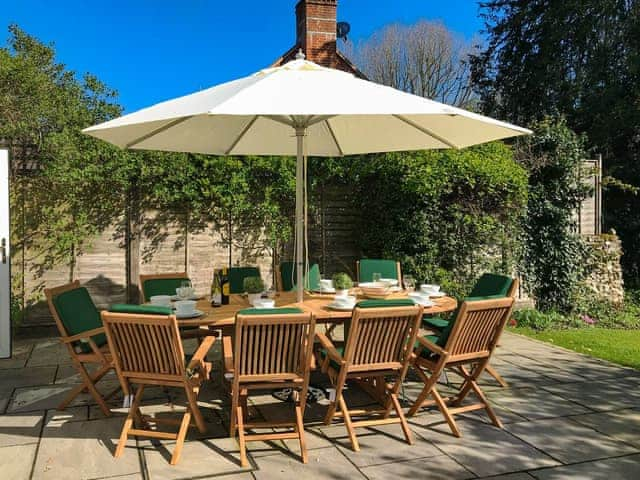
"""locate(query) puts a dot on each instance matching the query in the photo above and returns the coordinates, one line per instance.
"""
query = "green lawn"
(619, 346)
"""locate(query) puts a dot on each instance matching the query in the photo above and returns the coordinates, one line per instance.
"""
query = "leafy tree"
(579, 59)
(554, 257)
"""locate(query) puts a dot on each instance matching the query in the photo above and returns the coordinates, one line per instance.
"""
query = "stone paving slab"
(534, 404)
(432, 468)
(18, 377)
(17, 461)
(609, 469)
(568, 441)
(601, 395)
(21, 352)
(20, 429)
(623, 425)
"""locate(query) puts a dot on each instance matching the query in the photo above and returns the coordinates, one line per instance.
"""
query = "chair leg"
(300, 431)
(347, 423)
(492, 414)
(491, 371)
(429, 382)
(445, 412)
(241, 440)
(182, 433)
(88, 386)
(128, 423)
(403, 420)
(195, 410)
(233, 422)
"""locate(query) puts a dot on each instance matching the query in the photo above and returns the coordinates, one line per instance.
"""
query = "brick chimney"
(316, 31)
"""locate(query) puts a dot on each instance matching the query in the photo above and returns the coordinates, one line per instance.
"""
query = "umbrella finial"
(300, 55)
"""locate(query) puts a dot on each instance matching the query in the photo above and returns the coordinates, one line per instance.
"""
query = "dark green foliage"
(579, 59)
(554, 257)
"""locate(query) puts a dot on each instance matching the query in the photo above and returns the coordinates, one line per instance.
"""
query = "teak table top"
(317, 303)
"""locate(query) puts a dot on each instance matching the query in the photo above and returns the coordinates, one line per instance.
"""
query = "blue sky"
(154, 50)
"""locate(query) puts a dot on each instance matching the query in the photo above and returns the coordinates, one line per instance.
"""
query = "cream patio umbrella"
(297, 109)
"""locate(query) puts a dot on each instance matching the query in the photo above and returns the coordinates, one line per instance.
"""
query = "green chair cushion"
(270, 311)
(425, 352)
(369, 266)
(491, 284)
(79, 314)
(288, 275)
(140, 309)
(333, 363)
(161, 286)
(399, 302)
(436, 322)
(237, 276)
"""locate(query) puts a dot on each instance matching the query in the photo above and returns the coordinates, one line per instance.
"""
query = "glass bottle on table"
(224, 284)
(216, 290)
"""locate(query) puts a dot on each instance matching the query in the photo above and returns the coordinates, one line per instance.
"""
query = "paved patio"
(565, 415)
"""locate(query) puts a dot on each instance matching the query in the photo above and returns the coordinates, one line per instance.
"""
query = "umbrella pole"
(300, 185)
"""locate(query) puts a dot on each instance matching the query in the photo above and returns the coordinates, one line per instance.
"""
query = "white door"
(5, 256)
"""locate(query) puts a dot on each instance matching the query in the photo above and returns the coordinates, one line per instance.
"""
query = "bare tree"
(425, 59)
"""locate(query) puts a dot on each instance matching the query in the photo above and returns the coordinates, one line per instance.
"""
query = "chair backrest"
(478, 327)
(286, 281)
(273, 344)
(492, 284)
(366, 267)
(160, 284)
(145, 346)
(381, 338)
(74, 312)
(237, 276)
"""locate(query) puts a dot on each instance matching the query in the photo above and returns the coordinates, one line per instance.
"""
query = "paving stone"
(567, 440)
(55, 418)
(44, 398)
(562, 371)
(432, 468)
(132, 476)
(19, 356)
(199, 459)
(323, 463)
(26, 377)
(20, 429)
(511, 476)
(49, 352)
(536, 403)
(381, 444)
(601, 395)
(84, 449)
(483, 449)
(623, 425)
(4, 400)
(17, 461)
(609, 469)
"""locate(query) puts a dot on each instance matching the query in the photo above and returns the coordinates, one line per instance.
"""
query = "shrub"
(537, 320)
(342, 281)
(253, 285)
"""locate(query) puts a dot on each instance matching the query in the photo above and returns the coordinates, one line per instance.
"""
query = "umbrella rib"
(155, 132)
(333, 135)
(426, 131)
(242, 134)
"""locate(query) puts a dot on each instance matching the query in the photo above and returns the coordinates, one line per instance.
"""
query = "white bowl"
(345, 300)
(185, 307)
(430, 288)
(390, 281)
(162, 300)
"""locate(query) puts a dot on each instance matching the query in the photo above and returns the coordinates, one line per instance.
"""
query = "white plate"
(341, 306)
(421, 299)
(325, 290)
(392, 281)
(194, 314)
(192, 297)
(437, 294)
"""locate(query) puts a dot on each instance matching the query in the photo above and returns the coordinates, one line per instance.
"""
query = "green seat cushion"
(270, 311)
(237, 276)
(140, 309)
(79, 314)
(161, 286)
(437, 323)
(369, 266)
(333, 363)
(399, 302)
(491, 284)
(288, 272)
(425, 352)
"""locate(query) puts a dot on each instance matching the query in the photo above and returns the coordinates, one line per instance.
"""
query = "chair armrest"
(83, 336)
(431, 346)
(227, 354)
(202, 351)
(328, 346)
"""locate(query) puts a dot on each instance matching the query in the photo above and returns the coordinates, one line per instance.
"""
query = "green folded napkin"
(140, 309)
(270, 311)
(398, 302)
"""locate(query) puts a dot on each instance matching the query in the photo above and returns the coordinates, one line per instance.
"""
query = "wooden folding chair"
(471, 342)
(378, 346)
(147, 351)
(272, 350)
(81, 331)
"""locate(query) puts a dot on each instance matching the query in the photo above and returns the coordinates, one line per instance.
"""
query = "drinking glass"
(184, 292)
(409, 283)
(376, 277)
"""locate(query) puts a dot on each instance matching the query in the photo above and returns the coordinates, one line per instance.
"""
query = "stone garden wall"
(605, 278)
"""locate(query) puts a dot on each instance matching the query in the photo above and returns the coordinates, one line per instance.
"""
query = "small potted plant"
(342, 283)
(253, 286)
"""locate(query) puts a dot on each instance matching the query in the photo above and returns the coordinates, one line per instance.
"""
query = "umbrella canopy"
(296, 109)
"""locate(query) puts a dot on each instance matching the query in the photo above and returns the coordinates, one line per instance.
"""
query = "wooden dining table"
(224, 315)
